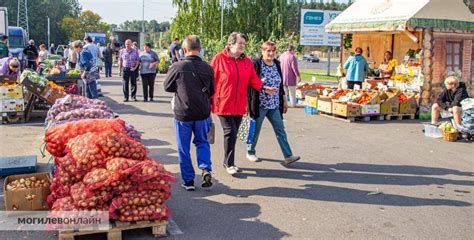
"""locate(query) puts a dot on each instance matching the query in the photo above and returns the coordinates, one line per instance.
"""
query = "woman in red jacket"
(233, 74)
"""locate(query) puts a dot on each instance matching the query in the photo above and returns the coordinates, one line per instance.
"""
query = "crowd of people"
(231, 87)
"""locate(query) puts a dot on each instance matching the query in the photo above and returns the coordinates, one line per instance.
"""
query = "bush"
(164, 65)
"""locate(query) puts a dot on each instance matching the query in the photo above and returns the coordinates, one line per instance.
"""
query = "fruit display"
(73, 73)
(56, 86)
(400, 77)
(339, 93)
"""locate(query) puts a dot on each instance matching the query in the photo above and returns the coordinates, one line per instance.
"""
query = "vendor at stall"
(9, 67)
(450, 100)
(384, 68)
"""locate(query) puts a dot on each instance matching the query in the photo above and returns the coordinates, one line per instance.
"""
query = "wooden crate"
(351, 119)
(399, 116)
(115, 232)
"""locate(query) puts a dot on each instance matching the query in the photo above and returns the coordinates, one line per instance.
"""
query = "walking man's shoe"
(206, 179)
(253, 158)
(232, 170)
(291, 159)
(188, 186)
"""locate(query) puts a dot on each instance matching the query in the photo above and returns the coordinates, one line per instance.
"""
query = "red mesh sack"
(138, 213)
(86, 199)
(70, 166)
(123, 166)
(119, 144)
(56, 137)
(152, 169)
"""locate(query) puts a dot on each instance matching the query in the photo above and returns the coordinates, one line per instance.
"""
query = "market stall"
(427, 38)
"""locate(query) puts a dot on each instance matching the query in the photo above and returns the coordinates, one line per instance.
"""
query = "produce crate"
(115, 232)
(32, 87)
(310, 110)
(410, 106)
(9, 79)
(390, 103)
(13, 105)
(11, 92)
(17, 165)
(370, 109)
(311, 101)
(346, 110)
(51, 95)
(17, 200)
(325, 104)
(13, 117)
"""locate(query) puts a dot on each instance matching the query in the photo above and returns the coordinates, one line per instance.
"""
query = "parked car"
(311, 58)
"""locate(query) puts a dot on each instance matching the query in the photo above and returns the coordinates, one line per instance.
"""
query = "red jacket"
(232, 78)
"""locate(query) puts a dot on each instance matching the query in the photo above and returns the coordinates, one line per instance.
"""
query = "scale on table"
(17, 165)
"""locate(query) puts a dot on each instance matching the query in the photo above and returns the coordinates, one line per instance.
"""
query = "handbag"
(246, 130)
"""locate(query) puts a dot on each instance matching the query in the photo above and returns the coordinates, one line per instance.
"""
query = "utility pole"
(49, 44)
(143, 16)
(222, 19)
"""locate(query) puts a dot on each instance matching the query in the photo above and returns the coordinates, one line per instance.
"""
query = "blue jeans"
(277, 123)
(91, 90)
(184, 131)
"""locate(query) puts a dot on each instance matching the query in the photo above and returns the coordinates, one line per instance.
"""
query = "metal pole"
(329, 60)
(48, 33)
(222, 19)
(143, 16)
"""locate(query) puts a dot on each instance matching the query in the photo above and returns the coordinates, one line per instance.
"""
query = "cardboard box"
(51, 94)
(410, 106)
(390, 102)
(11, 92)
(325, 104)
(311, 101)
(370, 109)
(13, 105)
(345, 109)
(16, 200)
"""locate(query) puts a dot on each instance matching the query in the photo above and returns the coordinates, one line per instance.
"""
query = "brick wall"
(466, 60)
(439, 60)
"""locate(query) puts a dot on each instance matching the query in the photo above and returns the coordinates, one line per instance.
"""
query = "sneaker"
(292, 159)
(135, 99)
(206, 179)
(231, 170)
(237, 169)
(125, 100)
(188, 186)
(253, 158)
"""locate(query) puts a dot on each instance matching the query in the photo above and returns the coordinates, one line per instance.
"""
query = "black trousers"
(350, 84)
(31, 65)
(129, 77)
(72, 65)
(230, 125)
(148, 80)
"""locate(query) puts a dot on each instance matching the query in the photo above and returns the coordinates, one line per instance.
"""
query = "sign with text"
(312, 28)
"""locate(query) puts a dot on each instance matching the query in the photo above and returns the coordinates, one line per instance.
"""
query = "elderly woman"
(450, 100)
(9, 67)
(89, 71)
(233, 74)
(270, 106)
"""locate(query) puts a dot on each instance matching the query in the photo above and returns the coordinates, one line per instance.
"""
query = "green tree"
(38, 11)
(87, 21)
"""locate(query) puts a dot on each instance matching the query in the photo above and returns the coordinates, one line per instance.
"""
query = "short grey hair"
(77, 44)
(291, 48)
(233, 38)
(31, 42)
(192, 43)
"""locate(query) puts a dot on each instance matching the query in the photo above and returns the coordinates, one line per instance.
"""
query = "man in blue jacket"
(356, 69)
(89, 71)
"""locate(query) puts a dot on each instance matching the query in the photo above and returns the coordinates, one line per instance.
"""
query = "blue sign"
(316, 18)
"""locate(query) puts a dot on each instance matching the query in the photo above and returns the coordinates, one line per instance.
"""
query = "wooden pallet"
(354, 118)
(13, 117)
(389, 117)
(115, 232)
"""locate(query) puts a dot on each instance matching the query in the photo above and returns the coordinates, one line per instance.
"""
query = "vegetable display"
(33, 77)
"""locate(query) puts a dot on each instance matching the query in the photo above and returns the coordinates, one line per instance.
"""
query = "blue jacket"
(86, 61)
(356, 68)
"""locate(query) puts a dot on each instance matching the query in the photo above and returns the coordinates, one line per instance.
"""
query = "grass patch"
(307, 75)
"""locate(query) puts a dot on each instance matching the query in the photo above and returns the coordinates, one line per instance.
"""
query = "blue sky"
(118, 11)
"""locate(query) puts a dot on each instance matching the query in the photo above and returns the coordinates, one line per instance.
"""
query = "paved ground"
(426, 185)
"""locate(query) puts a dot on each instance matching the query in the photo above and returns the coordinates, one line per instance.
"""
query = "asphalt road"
(322, 65)
(422, 188)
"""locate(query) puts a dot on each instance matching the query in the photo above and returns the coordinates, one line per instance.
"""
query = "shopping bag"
(246, 130)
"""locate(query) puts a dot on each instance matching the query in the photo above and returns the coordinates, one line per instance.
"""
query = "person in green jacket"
(4, 47)
(357, 68)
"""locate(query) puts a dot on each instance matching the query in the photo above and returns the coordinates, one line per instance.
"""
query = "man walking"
(89, 71)
(192, 81)
(31, 54)
(356, 69)
(174, 50)
(291, 73)
(107, 53)
(4, 47)
(128, 65)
